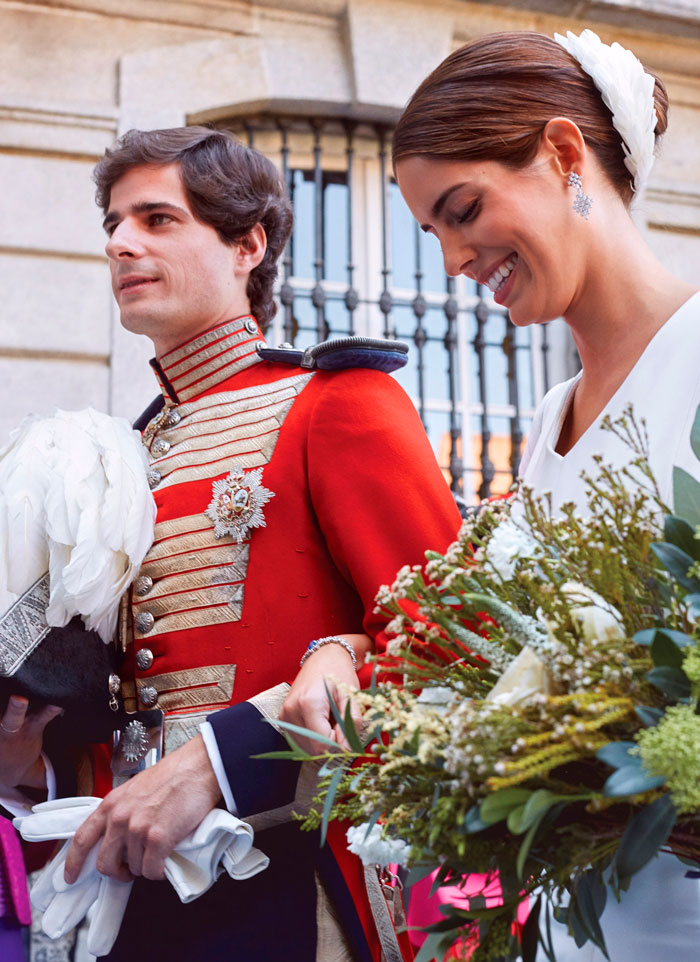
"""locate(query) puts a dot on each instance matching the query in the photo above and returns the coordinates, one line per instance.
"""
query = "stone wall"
(75, 73)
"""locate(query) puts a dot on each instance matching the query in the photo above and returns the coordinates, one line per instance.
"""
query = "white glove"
(63, 905)
(221, 841)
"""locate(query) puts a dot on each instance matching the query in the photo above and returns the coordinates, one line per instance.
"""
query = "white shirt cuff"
(212, 748)
(50, 778)
(18, 804)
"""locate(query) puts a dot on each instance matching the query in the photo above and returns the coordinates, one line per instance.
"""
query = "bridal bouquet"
(535, 716)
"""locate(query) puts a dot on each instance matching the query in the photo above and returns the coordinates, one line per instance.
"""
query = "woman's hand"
(307, 702)
(21, 739)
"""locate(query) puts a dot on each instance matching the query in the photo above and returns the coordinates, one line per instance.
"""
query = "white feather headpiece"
(74, 501)
(627, 90)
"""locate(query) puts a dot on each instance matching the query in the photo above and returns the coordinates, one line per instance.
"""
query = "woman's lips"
(505, 286)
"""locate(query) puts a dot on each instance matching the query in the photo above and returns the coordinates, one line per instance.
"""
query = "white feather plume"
(627, 90)
(74, 501)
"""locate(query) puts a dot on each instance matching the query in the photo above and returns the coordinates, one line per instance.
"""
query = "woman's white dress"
(658, 919)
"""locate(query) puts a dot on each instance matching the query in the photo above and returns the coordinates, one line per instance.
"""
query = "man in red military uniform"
(285, 497)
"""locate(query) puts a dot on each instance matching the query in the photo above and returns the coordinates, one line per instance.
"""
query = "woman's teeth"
(501, 274)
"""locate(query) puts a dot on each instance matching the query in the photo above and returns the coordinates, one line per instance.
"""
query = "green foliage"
(589, 898)
(631, 779)
(686, 497)
(538, 653)
(644, 835)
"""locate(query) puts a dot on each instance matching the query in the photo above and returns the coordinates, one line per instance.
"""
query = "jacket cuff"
(259, 785)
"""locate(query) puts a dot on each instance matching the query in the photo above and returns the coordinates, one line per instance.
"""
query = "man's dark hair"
(229, 186)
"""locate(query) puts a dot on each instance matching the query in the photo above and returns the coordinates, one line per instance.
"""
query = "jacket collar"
(203, 363)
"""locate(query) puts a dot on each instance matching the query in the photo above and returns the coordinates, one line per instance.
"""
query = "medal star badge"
(237, 504)
(134, 742)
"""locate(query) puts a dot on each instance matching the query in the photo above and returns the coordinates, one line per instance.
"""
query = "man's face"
(172, 275)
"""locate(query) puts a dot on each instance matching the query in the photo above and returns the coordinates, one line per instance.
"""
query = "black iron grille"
(358, 264)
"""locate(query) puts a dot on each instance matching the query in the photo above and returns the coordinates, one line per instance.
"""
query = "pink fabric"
(424, 910)
(15, 895)
(6, 907)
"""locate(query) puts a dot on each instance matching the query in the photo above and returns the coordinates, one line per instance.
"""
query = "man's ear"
(250, 250)
(563, 144)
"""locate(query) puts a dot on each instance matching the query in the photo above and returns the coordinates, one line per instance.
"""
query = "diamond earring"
(582, 201)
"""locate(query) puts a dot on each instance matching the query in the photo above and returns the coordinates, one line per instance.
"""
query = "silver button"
(172, 418)
(160, 446)
(143, 585)
(153, 478)
(114, 682)
(144, 658)
(250, 326)
(148, 696)
(144, 621)
(285, 346)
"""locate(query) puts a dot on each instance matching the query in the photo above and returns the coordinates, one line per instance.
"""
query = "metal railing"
(358, 264)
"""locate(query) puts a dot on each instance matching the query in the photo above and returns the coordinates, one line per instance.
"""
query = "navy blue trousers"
(268, 918)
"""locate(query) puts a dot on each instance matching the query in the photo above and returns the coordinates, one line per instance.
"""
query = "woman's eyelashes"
(469, 213)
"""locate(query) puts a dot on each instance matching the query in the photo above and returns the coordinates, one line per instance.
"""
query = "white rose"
(524, 677)
(597, 618)
(508, 543)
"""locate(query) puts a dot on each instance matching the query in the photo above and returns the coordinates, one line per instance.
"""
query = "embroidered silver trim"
(23, 627)
(179, 729)
(382, 916)
(204, 346)
(217, 430)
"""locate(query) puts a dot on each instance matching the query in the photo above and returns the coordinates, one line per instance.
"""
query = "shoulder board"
(380, 354)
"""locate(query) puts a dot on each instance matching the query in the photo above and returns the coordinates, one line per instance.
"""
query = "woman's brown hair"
(492, 98)
(229, 186)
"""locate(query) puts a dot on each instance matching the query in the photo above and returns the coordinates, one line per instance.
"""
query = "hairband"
(627, 90)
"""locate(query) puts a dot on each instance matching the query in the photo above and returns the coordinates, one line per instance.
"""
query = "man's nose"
(125, 241)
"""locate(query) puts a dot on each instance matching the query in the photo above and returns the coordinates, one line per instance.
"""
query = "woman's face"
(511, 230)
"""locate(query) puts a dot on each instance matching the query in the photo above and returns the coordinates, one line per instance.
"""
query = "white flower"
(394, 645)
(627, 90)
(374, 849)
(508, 543)
(598, 620)
(525, 677)
(438, 697)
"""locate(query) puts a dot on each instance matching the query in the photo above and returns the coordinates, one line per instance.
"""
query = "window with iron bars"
(357, 263)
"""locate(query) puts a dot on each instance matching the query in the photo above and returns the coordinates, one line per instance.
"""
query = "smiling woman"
(522, 154)
(506, 229)
(487, 154)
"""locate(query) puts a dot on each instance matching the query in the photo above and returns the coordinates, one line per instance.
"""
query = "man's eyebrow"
(143, 207)
(440, 202)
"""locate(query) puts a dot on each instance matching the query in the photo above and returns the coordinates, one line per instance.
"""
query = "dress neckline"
(571, 386)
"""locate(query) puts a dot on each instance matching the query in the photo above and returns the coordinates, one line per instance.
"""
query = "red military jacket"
(355, 494)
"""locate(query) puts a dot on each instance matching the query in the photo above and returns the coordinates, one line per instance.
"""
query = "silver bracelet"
(330, 640)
